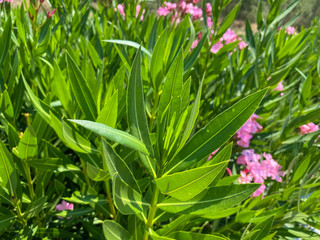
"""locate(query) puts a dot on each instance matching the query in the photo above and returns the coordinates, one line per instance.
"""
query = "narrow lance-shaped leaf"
(28, 146)
(116, 165)
(6, 105)
(156, 64)
(136, 113)
(129, 43)
(187, 184)
(193, 115)
(81, 90)
(136, 105)
(216, 133)
(109, 112)
(76, 140)
(112, 134)
(172, 89)
(5, 40)
(7, 170)
(213, 199)
(181, 235)
(126, 199)
(113, 230)
(263, 230)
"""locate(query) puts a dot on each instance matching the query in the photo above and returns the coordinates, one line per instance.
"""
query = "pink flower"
(120, 8)
(248, 156)
(229, 36)
(229, 171)
(245, 177)
(170, 6)
(194, 44)
(279, 86)
(208, 9)
(290, 30)
(209, 22)
(163, 11)
(1, 1)
(50, 14)
(213, 153)
(138, 8)
(242, 44)
(246, 131)
(216, 47)
(64, 206)
(308, 128)
(257, 171)
(259, 191)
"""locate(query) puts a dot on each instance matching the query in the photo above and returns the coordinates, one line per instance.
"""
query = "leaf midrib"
(204, 143)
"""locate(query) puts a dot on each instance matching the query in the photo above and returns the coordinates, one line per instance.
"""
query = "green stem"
(110, 202)
(154, 109)
(20, 215)
(29, 180)
(152, 213)
(84, 171)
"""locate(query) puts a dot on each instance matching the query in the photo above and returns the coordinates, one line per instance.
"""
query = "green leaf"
(229, 20)
(6, 220)
(77, 141)
(126, 199)
(193, 116)
(6, 104)
(42, 108)
(216, 133)
(28, 145)
(219, 214)
(117, 166)
(7, 170)
(263, 230)
(93, 55)
(62, 89)
(81, 90)
(190, 60)
(306, 90)
(113, 230)
(303, 167)
(5, 40)
(13, 136)
(97, 174)
(109, 112)
(172, 89)
(52, 164)
(186, 185)
(129, 43)
(213, 199)
(157, 65)
(136, 111)
(35, 207)
(112, 134)
(182, 235)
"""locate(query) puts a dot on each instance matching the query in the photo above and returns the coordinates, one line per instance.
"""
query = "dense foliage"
(120, 122)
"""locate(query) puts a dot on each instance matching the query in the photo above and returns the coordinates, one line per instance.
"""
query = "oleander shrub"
(122, 121)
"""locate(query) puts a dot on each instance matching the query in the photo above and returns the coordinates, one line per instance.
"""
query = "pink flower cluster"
(308, 128)
(246, 131)
(1, 1)
(181, 9)
(228, 37)
(258, 171)
(64, 206)
(290, 30)
(120, 8)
